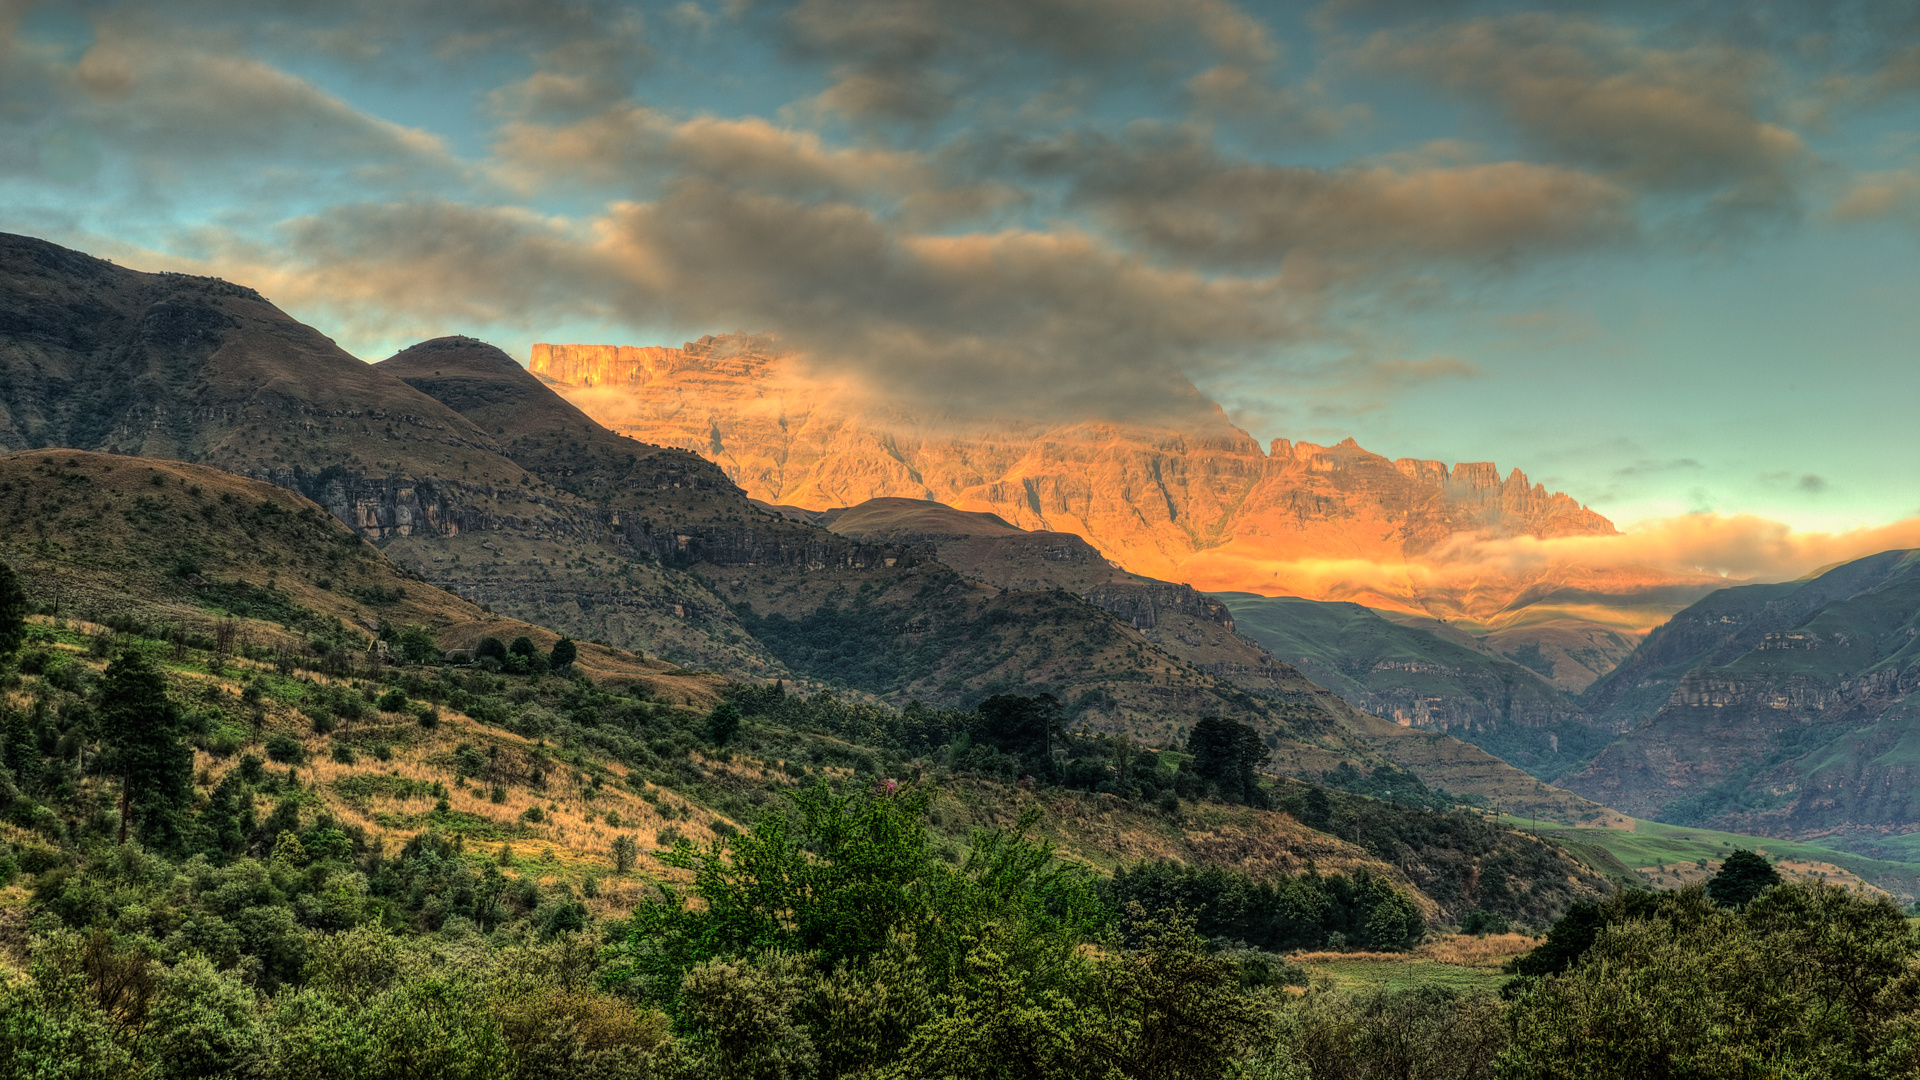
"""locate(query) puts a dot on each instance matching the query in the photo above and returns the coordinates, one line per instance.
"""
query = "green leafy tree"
(1806, 980)
(143, 736)
(625, 853)
(1026, 727)
(1743, 876)
(14, 610)
(491, 648)
(564, 653)
(415, 645)
(842, 874)
(525, 658)
(723, 723)
(745, 1014)
(1317, 810)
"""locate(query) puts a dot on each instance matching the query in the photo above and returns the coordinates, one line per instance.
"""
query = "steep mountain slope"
(1201, 503)
(1421, 680)
(99, 357)
(114, 539)
(1720, 627)
(1791, 710)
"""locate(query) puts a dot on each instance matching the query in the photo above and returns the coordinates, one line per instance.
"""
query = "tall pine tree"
(13, 610)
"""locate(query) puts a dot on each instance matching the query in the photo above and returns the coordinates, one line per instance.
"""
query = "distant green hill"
(1422, 680)
(1781, 710)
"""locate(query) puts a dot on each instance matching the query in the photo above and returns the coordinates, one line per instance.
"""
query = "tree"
(13, 610)
(415, 645)
(491, 648)
(1229, 754)
(1743, 876)
(1317, 811)
(525, 657)
(1025, 727)
(723, 723)
(563, 655)
(143, 735)
(624, 853)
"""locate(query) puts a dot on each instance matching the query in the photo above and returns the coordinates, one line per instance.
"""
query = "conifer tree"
(142, 734)
(13, 610)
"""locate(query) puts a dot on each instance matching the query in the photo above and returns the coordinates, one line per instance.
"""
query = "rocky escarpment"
(1199, 502)
(1146, 497)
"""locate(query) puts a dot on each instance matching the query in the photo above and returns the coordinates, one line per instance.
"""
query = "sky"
(1661, 256)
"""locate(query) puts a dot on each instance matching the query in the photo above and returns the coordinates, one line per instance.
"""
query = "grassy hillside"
(1673, 856)
(1423, 680)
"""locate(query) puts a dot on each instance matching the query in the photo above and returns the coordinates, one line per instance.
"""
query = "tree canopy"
(1742, 876)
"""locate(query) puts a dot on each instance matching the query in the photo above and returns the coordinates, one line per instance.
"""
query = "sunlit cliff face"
(1202, 503)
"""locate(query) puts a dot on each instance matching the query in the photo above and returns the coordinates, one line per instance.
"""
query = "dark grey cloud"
(1697, 119)
(1016, 322)
(913, 60)
(1171, 191)
(1006, 324)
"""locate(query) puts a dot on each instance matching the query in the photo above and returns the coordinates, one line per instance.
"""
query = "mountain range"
(1201, 502)
(472, 475)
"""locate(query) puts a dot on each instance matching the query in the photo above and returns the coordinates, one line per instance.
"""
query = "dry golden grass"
(1312, 958)
(1677, 875)
(1468, 950)
(574, 835)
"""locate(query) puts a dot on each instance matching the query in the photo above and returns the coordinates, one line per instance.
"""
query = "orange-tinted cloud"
(1632, 580)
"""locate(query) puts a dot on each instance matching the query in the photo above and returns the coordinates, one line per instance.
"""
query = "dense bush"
(1304, 912)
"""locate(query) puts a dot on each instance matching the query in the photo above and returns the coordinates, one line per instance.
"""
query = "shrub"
(285, 749)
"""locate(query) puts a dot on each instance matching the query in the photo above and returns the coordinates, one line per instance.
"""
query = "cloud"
(911, 60)
(638, 149)
(1169, 190)
(1633, 580)
(192, 107)
(1016, 322)
(1690, 120)
(1279, 114)
(380, 271)
(1893, 193)
(1007, 324)
(178, 121)
(1646, 467)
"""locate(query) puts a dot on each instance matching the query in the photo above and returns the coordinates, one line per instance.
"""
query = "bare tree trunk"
(123, 811)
